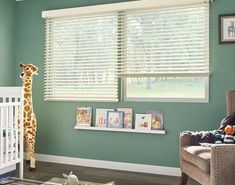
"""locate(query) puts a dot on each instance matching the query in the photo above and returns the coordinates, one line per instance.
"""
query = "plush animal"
(30, 122)
(71, 179)
(229, 137)
(218, 138)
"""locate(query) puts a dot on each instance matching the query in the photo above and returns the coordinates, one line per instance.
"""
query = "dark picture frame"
(227, 29)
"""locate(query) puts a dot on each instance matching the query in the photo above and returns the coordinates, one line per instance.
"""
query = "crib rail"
(11, 127)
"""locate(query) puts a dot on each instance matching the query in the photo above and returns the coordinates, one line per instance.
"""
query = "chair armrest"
(222, 164)
(185, 139)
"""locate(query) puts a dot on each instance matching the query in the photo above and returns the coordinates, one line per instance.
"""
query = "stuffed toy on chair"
(227, 136)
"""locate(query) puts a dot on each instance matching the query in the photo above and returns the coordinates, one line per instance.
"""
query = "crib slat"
(1, 135)
(11, 137)
(16, 116)
(7, 132)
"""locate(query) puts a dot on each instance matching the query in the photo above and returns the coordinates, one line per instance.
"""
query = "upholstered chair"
(208, 165)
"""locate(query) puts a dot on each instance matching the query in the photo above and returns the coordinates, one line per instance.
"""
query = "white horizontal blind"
(165, 42)
(81, 58)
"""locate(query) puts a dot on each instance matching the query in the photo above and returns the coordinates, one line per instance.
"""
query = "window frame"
(126, 6)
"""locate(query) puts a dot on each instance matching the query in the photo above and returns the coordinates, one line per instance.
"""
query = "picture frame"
(227, 29)
(84, 115)
(101, 117)
(128, 114)
(156, 119)
(115, 119)
(143, 121)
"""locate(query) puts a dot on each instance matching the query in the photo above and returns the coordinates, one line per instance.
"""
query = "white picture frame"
(143, 121)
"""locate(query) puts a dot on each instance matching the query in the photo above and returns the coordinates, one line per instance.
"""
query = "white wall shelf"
(121, 130)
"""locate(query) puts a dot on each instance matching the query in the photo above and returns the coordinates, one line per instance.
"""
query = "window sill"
(121, 130)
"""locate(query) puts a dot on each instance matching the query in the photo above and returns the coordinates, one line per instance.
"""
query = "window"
(81, 59)
(166, 54)
(157, 52)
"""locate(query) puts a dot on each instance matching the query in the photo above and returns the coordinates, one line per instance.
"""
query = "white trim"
(7, 169)
(141, 168)
(121, 130)
(106, 8)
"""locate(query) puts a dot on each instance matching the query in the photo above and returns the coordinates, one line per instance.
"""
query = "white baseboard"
(141, 168)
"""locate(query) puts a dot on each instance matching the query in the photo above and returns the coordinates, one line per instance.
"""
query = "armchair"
(213, 165)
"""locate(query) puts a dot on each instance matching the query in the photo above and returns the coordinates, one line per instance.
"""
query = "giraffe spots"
(33, 122)
(29, 117)
(27, 124)
(26, 95)
(30, 112)
(26, 90)
(26, 108)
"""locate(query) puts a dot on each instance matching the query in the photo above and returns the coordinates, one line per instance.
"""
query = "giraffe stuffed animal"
(30, 122)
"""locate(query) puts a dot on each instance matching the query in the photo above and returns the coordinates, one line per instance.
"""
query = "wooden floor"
(46, 171)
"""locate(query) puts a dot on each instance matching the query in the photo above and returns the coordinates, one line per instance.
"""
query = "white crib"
(11, 128)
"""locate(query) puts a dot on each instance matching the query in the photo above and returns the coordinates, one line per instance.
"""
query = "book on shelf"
(128, 114)
(84, 116)
(115, 119)
(143, 121)
(156, 119)
(101, 117)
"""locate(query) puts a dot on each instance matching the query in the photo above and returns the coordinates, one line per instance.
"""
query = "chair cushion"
(198, 155)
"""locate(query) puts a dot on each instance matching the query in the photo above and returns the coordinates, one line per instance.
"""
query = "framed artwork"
(115, 119)
(156, 119)
(101, 117)
(84, 116)
(143, 121)
(227, 29)
(128, 113)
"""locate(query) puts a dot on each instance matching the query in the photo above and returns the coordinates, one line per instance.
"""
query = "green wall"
(56, 120)
(7, 43)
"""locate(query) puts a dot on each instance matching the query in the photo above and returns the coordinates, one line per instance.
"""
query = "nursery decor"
(101, 117)
(84, 116)
(30, 122)
(157, 119)
(11, 133)
(115, 119)
(128, 112)
(71, 179)
(143, 121)
(227, 28)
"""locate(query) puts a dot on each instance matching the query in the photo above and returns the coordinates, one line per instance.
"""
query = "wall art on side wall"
(227, 28)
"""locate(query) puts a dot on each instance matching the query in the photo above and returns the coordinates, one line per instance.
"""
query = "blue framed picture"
(115, 119)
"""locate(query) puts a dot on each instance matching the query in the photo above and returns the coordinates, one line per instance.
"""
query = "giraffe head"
(28, 70)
